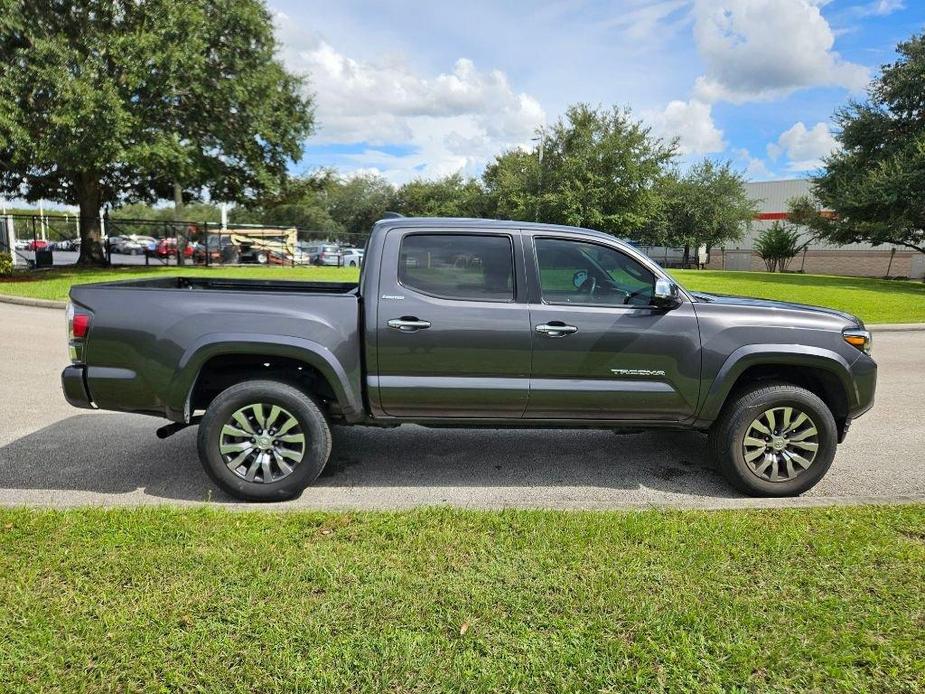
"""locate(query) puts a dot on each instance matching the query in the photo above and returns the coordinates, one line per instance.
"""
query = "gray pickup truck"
(466, 322)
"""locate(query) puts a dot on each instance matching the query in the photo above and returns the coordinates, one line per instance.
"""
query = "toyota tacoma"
(466, 322)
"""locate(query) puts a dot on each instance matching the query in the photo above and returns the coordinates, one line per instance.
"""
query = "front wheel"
(775, 439)
(264, 441)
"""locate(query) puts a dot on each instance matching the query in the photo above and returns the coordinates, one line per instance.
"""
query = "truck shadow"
(91, 455)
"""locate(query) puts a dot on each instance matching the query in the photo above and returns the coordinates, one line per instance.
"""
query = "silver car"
(353, 257)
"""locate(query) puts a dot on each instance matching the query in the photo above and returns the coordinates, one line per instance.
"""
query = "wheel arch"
(226, 359)
(823, 372)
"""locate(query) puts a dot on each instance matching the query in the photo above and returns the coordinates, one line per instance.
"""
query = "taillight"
(78, 327)
(81, 325)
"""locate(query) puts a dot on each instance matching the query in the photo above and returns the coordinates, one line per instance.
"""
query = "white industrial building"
(859, 259)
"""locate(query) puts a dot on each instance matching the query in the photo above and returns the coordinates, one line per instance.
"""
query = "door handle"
(408, 324)
(556, 329)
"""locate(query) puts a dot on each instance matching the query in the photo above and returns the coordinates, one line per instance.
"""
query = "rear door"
(600, 350)
(453, 328)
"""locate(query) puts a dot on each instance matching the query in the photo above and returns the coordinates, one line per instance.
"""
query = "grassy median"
(875, 301)
(444, 600)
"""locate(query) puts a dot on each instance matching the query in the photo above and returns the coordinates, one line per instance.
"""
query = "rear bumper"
(74, 386)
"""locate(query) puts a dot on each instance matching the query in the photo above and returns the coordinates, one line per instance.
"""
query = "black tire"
(311, 421)
(727, 438)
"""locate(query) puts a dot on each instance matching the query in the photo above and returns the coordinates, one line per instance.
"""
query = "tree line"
(125, 103)
(594, 168)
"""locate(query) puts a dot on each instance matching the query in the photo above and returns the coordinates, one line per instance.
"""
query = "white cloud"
(454, 120)
(881, 8)
(764, 49)
(692, 123)
(755, 168)
(804, 148)
(646, 20)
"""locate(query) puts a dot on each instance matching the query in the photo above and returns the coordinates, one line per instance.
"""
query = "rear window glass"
(458, 266)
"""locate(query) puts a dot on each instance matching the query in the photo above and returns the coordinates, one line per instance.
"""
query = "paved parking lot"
(70, 258)
(52, 454)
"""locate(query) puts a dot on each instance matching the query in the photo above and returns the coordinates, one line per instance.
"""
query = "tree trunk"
(177, 216)
(687, 255)
(90, 198)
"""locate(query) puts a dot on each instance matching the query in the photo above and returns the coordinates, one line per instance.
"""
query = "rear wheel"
(264, 441)
(775, 439)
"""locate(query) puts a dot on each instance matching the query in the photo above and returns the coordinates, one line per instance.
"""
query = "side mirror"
(666, 294)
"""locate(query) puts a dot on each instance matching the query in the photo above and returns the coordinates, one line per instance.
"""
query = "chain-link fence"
(669, 257)
(45, 240)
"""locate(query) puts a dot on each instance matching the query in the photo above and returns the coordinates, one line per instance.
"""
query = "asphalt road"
(54, 455)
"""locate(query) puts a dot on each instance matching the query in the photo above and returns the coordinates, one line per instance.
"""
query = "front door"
(600, 350)
(453, 327)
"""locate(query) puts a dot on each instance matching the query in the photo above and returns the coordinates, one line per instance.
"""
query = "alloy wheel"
(262, 443)
(781, 444)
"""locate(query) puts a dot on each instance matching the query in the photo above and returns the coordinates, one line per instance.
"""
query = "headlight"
(858, 338)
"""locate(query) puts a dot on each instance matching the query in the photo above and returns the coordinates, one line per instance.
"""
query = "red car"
(167, 248)
(37, 245)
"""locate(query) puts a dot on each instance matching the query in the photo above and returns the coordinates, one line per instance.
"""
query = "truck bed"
(149, 338)
(240, 285)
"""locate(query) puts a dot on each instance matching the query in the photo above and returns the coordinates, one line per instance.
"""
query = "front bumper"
(864, 375)
(74, 385)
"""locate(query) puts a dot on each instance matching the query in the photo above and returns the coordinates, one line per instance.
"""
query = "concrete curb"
(26, 301)
(49, 303)
(896, 327)
(696, 504)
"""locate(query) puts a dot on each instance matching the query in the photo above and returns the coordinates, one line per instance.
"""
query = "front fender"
(773, 355)
(301, 349)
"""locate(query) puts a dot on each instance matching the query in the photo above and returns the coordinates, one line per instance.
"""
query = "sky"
(427, 89)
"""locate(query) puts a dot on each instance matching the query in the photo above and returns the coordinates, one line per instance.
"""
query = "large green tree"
(355, 202)
(301, 201)
(451, 196)
(594, 167)
(109, 101)
(706, 206)
(875, 182)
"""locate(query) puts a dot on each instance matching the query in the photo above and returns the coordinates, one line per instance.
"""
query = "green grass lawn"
(440, 600)
(875, 301)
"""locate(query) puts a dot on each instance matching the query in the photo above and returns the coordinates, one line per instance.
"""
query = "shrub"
(6, 264)
(777, 246)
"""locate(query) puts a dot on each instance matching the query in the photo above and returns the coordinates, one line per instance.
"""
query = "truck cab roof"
(476, 225)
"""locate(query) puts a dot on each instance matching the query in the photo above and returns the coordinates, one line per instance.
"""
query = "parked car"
(67, 245)
(129, 245)
(323, 254)
(353, 257)
(37, 245)
(148, 243)
(22, 244)
(167, 248)
(498, 324)
(217, 249)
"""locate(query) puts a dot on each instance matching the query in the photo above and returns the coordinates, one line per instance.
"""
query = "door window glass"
(575, 272)
(458, 266)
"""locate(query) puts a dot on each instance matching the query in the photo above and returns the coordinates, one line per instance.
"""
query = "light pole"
(541, 138)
